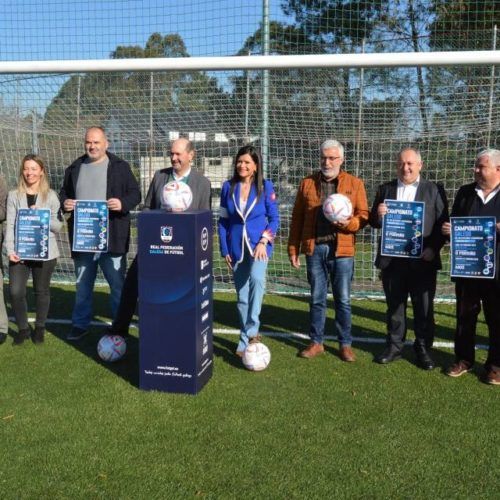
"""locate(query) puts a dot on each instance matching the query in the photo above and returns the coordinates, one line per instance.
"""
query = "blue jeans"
(250, 282)
(322, 266)
(113, 267)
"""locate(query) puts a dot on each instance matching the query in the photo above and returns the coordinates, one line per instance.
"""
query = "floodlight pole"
(247, 103)
(78, 98)
(360, 113)
(151, 131)
(492, 88)
(265, 89)
(34, 133)
(18, 113)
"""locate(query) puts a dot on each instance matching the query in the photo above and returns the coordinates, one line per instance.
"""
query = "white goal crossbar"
(394, 59)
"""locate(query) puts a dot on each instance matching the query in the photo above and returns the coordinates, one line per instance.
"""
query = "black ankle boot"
(424, 359)
(38, 335)
(21, 336)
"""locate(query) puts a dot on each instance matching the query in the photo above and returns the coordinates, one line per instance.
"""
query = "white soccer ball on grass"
(111, 348)
(256, 357)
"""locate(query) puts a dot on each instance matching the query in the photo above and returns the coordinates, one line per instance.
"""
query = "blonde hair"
(44, 187)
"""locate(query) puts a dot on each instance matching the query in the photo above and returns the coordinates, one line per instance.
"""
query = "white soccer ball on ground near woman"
(337, 207)
(256, 357)
(111, 348)
(177, 196)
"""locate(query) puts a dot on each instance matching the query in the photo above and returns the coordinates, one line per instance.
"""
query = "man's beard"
(328, 173)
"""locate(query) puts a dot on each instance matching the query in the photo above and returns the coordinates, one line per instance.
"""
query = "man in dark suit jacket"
(99, 175)
(407, 276)
(480, 198)
(181, 156)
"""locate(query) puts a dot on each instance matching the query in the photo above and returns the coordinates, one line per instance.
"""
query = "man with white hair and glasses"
(328, 246)
(479, 198)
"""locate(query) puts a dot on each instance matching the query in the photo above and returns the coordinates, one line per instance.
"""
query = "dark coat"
(462, 206)
(464, 199)
(121, 184)
(436, 213)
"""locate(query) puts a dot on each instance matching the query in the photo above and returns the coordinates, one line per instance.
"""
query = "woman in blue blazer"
(248, 221)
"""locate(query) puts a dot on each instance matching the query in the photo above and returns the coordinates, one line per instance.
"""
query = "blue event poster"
(91, 226)
(403, 229)
(32, 233)
(473, 247)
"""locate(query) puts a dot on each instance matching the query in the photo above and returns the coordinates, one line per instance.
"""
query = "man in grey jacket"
(181, 156)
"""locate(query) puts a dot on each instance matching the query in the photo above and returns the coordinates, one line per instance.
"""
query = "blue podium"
(175, 300)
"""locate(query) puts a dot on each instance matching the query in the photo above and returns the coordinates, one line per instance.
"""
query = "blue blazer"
(237, 229)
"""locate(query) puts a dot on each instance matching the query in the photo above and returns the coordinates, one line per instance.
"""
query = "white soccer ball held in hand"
(177, 196)
(337, 208)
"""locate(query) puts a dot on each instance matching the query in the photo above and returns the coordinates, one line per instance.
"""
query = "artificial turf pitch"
(74, 427)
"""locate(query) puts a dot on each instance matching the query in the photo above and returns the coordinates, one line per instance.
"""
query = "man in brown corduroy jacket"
(328, 246)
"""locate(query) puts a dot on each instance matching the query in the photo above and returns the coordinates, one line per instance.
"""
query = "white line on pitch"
(233, 331)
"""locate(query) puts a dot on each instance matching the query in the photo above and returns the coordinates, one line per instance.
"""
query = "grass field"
(73, 427)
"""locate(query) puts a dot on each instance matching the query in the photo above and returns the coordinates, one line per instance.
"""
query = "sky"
(92, 29)
(76, 29)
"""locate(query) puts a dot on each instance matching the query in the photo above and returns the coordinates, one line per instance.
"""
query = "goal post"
(257, 62)
(375, 104)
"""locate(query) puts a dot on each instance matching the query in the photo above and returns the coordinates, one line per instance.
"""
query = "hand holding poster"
(403, 229)
(473, 247)
(32, 233)
(91, 224)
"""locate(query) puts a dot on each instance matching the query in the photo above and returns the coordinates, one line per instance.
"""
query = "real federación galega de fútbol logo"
(204, 239)
(166, 234)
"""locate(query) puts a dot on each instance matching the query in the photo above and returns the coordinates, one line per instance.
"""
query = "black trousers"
(18, 278)
(128, 300)
(471, 293)
(403, 278)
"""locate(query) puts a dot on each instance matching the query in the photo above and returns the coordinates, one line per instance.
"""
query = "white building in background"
(144, 140)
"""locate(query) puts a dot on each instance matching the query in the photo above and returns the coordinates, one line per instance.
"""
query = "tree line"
(303, 103)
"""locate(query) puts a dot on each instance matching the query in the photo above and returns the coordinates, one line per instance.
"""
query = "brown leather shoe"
(347, 354)
(312, 350)
(458, 369)
(256, 339)
(493, 377)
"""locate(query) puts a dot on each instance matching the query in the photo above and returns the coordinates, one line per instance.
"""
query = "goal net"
(448, 111)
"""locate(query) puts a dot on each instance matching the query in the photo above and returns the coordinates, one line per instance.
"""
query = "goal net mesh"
(449, 113)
